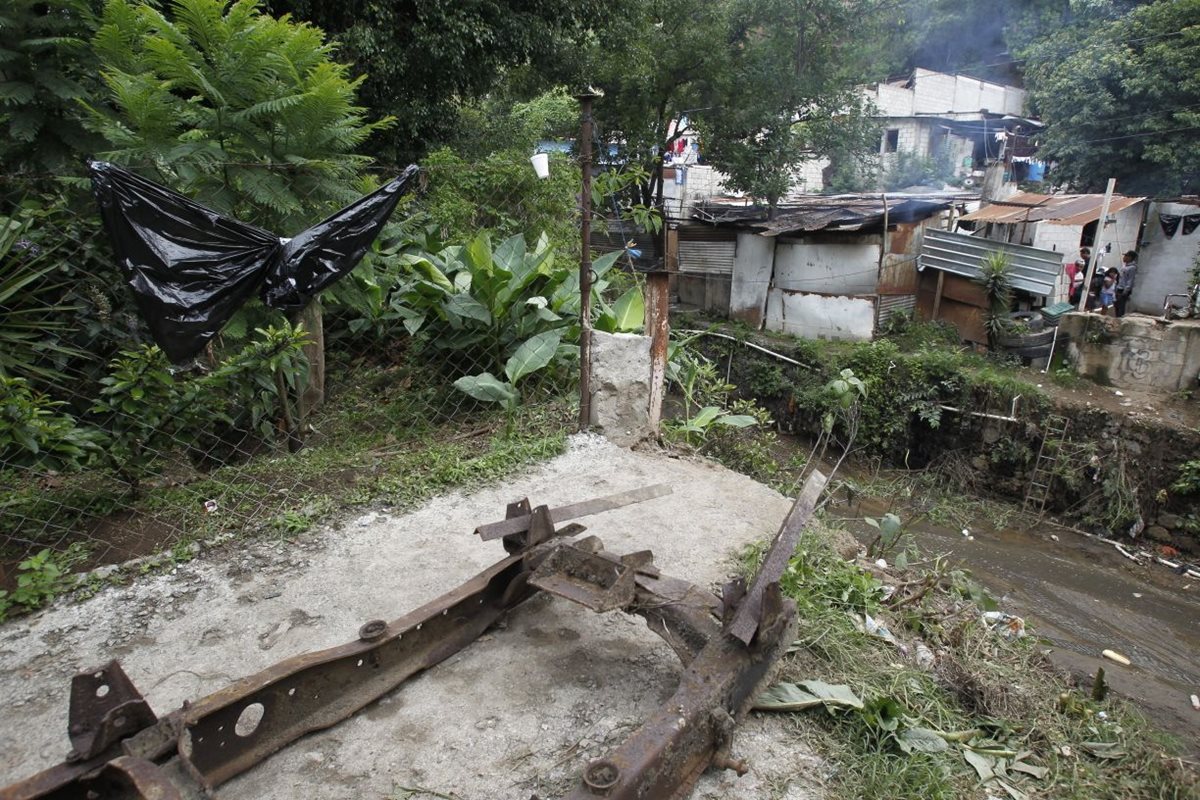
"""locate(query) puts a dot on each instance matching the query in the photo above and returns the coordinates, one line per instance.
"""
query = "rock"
(1168, 521)
(1157, 533)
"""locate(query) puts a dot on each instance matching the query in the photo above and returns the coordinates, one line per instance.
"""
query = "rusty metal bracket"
(122, 750)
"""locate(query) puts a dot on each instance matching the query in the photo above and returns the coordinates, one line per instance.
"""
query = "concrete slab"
(520, 711)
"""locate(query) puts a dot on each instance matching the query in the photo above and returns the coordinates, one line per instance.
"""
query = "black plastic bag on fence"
(190, 268)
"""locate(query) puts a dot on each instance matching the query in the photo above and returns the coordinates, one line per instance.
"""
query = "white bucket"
(541, 165)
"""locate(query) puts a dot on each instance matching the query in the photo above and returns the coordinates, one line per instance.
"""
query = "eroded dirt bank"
(521, 711)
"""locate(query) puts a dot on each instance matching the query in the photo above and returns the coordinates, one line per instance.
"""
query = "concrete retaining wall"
(620, 384)
(1135, 352)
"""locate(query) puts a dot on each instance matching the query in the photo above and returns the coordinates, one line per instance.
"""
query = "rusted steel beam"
(745, 620)
(184, 755)
(512, 525)
(693, 730)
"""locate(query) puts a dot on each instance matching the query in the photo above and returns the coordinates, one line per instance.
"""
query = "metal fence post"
(585, 261)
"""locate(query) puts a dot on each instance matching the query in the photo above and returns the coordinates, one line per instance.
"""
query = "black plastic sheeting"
(191, 268)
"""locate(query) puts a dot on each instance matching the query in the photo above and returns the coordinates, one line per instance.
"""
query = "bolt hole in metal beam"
(248, 720)
(102, 690)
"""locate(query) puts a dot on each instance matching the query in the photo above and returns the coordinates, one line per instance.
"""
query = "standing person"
(1108, 290)
(1076, 273)
(1125, 283)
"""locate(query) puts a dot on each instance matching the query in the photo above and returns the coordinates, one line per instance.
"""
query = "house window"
(891, 140)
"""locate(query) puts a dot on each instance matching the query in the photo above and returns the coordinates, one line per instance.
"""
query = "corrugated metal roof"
(1056, 209)
(1031, 269)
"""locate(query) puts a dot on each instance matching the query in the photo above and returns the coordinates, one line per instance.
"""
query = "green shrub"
(34, 434)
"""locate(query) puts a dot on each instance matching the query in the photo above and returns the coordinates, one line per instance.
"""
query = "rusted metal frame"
(306, 693)
(516, 523)
(692, 731)
(208, 743)
(745, 620)
(316, 690)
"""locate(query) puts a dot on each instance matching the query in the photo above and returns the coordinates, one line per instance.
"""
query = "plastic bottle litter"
(1113, 655)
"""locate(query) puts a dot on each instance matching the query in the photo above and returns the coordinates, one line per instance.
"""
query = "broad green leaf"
(1105, 749)
(464, 305)
(488, 388)
(794, 697)
(510, 255)
(428, 270)
(532, 355)
(1029, 769)
(479, 254)
(921, 740)
(984, 765)
(737, 420)
(630, 310)
(605, 262)
(705, 416)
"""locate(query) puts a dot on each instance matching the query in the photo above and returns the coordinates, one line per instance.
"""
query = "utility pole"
(585, 260)
(1100, 223)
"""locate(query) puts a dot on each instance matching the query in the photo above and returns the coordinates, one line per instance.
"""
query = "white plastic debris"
(876, 628)
(1118, 393)
(1137, 595)
(1009, 626)
(881, 563)
(1196, 702)
(1054, 537)
(1113, 655)
(966, 532)
(210, 506)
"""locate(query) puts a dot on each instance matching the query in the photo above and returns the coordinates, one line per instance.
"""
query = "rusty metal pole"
(585, 260)
(658, 326)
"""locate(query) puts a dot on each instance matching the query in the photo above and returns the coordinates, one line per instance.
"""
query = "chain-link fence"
(447, 356)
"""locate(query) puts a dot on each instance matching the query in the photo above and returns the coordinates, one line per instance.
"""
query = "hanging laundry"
(1190, 222)
(191, 268)
(1170, 224)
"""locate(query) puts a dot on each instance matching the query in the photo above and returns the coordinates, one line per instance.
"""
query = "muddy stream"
(1083, 597)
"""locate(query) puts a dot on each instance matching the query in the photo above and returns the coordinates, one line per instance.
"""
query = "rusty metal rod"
(585, 261)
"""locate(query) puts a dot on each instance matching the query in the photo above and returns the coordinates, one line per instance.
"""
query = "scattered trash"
(925, 658)
(210, 506)
(1118, 393)
(1009, 626)
(970, 538)
(1053, 537)
(881, 563)
(966, 532)
(876, 628)
(1137, 595)
(1112, 655)
(1102, 715)
(1196, 702)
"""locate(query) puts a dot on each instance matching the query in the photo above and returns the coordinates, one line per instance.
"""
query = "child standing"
(1108, 291)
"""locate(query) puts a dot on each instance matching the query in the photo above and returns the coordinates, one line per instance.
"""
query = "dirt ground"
(520, 711)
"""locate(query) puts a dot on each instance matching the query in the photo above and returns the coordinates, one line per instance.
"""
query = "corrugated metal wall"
(1033, 270)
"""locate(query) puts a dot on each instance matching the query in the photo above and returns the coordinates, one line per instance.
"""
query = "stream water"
(1083, 597)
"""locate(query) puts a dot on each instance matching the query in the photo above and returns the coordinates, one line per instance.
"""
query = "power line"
(1136, 135)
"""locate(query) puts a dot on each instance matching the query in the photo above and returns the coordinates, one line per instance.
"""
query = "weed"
(989, 711)
(41, 578)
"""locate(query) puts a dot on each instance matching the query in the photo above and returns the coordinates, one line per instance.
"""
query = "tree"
(1123, 101)
(246, 113)
(767, 82)
(45, 70)
(425, 57)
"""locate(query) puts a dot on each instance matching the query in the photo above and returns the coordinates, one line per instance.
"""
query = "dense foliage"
(422, 58)
(1122, 99)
